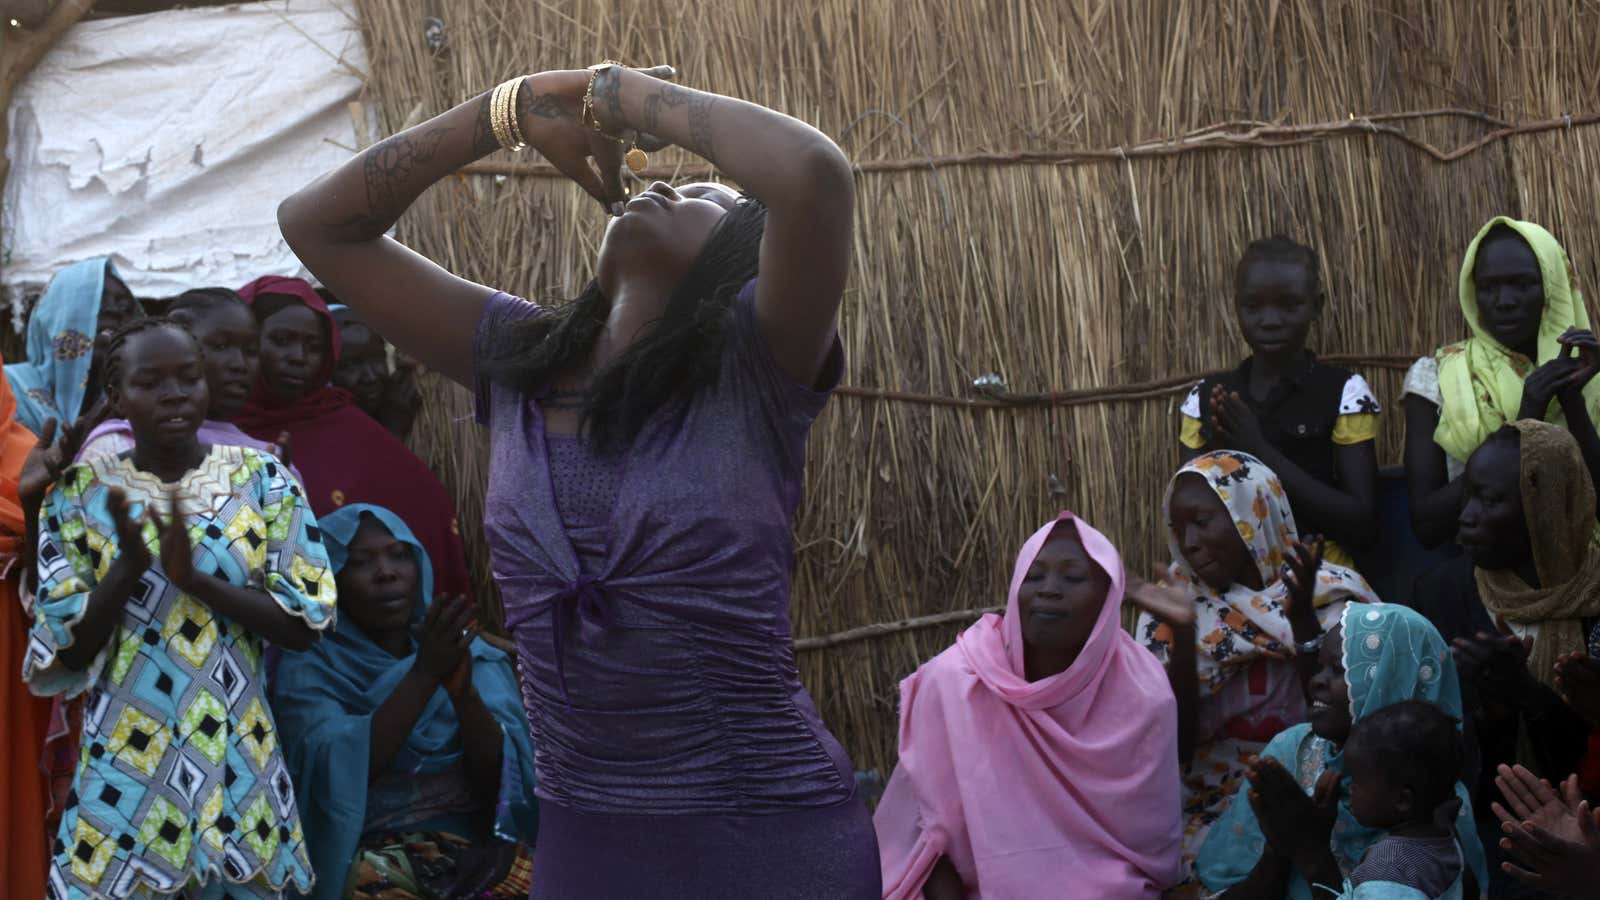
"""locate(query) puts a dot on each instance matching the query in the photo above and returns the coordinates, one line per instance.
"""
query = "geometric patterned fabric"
(181, 786)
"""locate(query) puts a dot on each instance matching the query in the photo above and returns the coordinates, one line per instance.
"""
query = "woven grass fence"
(1054, 191)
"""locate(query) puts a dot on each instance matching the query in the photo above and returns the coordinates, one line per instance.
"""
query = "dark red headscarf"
(260, 413)
(346, 457)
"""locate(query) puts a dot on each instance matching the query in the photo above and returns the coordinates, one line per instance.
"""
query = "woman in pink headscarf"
(1039, 755)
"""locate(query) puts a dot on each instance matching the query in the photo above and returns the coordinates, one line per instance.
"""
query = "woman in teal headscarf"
(404, 732)
(82, 301)
(1378, 655)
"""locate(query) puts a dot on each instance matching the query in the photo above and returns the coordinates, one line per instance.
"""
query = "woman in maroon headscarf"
(344, 455)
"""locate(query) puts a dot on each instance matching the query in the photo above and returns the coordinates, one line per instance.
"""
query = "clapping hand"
(447, 632)
(177, 554)
(1300, 577)
(1578, 682)
(1233, 424)
(54, 452)
(1496, 663)
(1581, 346)
(132, 551)
(1291, 822)
(1565, 376)
(1557, 837)
(1165, 604)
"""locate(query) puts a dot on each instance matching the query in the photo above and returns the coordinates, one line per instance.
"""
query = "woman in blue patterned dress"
(161, 571)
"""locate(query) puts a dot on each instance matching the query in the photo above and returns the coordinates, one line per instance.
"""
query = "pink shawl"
(1063, 787)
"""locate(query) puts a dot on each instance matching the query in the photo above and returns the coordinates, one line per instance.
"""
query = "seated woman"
(1313, 423)
(405, 750)
(231, 342)
(1048, 722)
(1517, 296)
(1294, 827)
(344, 456)
(1261, 601)
(83, 301)
(1535, 598)
(161, 573)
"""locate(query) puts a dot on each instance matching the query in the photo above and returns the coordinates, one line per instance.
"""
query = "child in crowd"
(1403, 762)
(161, 571)
(1313, 424)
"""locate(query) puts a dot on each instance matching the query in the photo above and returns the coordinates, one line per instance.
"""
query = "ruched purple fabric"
(654, 642)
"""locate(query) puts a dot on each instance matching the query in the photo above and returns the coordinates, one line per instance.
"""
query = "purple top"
(669, 619)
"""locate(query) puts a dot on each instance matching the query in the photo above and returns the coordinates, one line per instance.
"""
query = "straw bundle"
(1055, 276)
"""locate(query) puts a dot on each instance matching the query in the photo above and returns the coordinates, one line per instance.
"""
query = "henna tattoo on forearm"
(544, 106)
(386, 167)
(483, 140)
(668, 97)
(700, 123)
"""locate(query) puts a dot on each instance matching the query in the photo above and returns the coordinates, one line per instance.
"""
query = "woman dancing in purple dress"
(648, 443)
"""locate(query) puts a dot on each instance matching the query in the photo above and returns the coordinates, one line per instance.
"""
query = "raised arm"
(802, 177)
(336, 224)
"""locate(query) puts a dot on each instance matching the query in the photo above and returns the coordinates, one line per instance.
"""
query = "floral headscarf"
(1238, 626)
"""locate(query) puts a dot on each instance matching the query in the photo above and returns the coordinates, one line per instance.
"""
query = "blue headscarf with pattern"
(61, 330)
(1391, 653)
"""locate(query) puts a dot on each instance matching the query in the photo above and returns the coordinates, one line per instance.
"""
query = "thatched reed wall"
(1056, 276)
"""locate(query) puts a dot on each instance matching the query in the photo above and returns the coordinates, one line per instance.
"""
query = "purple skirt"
(812, 854)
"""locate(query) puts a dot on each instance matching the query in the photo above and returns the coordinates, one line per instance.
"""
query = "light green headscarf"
(1480, 379)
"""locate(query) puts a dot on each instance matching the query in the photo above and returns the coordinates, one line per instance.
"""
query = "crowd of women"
(243, 662)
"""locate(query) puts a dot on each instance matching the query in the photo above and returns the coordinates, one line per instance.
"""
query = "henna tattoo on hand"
(608, 88)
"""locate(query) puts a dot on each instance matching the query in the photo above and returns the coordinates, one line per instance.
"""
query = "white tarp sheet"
(167, 140)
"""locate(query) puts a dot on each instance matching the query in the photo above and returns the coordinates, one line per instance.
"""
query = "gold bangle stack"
(503, 115)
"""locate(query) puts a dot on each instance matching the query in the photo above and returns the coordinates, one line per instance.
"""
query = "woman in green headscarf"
(1527, 319)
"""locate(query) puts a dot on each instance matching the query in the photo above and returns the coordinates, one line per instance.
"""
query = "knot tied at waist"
(580, 599)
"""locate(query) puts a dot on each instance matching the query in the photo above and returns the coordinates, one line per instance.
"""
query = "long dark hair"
(678, 355)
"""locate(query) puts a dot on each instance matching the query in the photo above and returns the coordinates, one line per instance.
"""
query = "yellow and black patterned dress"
(180, 786)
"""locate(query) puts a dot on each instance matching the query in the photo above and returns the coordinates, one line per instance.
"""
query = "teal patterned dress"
(181, 786)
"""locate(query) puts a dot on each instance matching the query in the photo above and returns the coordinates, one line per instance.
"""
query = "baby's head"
(1403, 761)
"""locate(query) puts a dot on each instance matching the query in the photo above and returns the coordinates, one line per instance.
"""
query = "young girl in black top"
(1311, 423)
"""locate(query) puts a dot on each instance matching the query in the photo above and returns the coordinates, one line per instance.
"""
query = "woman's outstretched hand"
(1165, 604)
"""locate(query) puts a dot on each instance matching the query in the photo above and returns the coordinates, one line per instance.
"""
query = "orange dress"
(24, 718)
